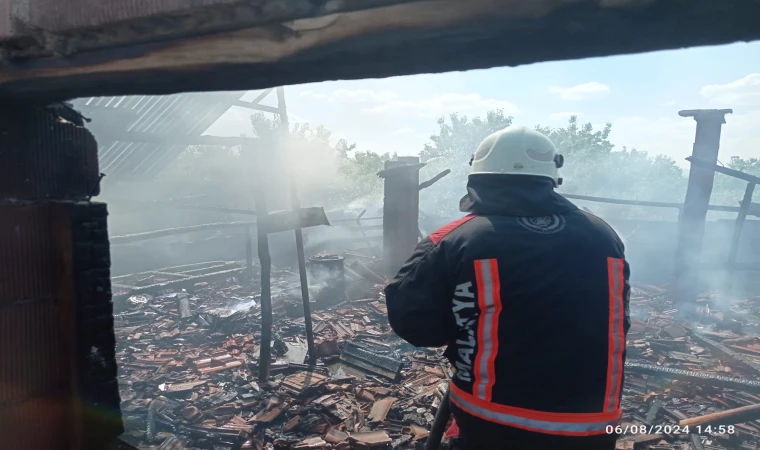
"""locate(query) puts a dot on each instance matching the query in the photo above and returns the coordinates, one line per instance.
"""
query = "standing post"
(694, 212)
(737, 237)
(401, 206)
(295, 203)
(739, 225)
(265, 261)
(248, 253)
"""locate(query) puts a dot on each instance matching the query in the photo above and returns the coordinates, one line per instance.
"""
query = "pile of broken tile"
(188, 372)
(189, 362)
(685, 369)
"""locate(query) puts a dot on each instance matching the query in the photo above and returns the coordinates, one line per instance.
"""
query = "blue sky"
(640, 94)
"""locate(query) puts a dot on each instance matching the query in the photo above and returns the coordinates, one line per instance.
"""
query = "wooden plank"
(729, 417)
(120, 51)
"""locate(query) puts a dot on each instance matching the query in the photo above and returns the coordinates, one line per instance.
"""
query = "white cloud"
(744, 91)
(564, 115)
(674, 136)
(669, 103)
(584, 91)
(389, 102)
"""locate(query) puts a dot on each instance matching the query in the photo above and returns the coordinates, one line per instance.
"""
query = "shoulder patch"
(543, 225)
(441, 233)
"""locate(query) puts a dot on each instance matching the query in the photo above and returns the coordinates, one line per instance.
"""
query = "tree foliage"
(339, 175)
(452, 148)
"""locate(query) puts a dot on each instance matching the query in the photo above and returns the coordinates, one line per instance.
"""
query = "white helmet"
(518, 151)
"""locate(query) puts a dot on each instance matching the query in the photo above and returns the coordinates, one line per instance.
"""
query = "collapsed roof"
(82, 48)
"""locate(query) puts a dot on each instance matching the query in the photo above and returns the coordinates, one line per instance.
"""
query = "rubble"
(682, 373)
(188, 364)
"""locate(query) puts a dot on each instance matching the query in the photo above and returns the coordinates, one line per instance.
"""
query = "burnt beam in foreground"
(58, 48)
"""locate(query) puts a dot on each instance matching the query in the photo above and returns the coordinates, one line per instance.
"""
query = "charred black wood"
(296, 206)
(433, 180)
(384, 366)
(653, 410)
(694, 377)
(722, 351)
(693, 215)
(136, 237)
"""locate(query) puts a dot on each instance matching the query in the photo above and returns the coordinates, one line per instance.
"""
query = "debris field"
(188, 363)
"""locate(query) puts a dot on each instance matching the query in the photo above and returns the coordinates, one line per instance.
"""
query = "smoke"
(140, 188)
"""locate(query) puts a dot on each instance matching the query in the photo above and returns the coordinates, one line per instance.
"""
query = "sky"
(639, 94)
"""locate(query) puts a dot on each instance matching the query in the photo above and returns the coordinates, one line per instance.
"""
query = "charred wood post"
(57, 343)
(248, 253)
(745, 208)
(265, 261)
(295, 203)
(691, 226)
(401, 206)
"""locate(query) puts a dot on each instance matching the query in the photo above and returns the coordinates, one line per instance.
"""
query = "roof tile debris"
(188, 380)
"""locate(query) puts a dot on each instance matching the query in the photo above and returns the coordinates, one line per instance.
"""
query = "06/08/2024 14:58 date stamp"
(670, 429)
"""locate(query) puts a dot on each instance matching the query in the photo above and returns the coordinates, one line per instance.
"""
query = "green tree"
(592, 166)
(728, 190)
(452, 148)
(334, 176)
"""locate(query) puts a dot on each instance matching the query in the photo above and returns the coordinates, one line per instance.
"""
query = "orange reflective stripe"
(616, 335)
(489, 303)
(570, 424)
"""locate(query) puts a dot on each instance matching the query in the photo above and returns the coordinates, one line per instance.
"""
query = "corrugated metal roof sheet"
(114, 118)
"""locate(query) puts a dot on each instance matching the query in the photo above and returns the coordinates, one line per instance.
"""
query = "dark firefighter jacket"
(530, 294)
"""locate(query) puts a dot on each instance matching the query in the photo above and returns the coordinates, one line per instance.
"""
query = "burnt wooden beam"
(728, 417)
(57, 49)
(749, 178)
(736, 238)
(265, 262)
(401, 209)
(129, 238)
(295, 204)
(691, 223)
(433, 180)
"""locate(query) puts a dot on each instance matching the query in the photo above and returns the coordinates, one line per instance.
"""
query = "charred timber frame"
(265, 261)
(295, 205)
(745, 208)
(267, 225)
(55, 48)
(401, 209)
(691, 223)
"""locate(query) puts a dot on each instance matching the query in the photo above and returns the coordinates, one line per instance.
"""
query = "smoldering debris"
(190, 382)
(678, 374)
(188, 364)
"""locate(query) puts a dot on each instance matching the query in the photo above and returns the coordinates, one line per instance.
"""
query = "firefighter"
(530, 295)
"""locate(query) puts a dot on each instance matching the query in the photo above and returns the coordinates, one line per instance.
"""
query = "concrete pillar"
(692, 219)
(401, 204)
(58, 386)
